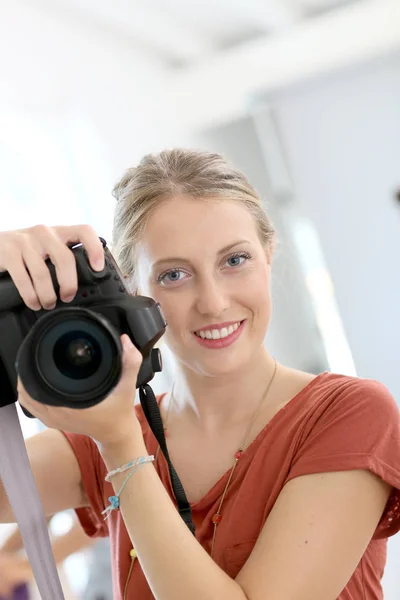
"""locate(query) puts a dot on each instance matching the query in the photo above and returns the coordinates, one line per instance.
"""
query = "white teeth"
(216, 334)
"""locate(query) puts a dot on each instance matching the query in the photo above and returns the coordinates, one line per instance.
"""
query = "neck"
(212, 402)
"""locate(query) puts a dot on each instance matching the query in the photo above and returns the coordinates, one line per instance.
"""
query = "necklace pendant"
(238, 454)
(217, 518)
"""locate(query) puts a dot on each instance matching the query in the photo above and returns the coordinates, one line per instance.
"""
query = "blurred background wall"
(303, 95)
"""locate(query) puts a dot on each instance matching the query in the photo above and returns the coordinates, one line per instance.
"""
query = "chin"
(220, 364)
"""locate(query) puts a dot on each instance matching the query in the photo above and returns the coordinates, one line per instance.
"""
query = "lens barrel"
(71, 357)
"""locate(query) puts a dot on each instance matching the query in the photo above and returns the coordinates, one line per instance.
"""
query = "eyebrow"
(177, 259)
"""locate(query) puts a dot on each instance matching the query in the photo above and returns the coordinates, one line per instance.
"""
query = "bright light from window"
(321, 290)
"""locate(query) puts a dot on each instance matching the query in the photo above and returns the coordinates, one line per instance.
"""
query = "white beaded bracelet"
(133, 463)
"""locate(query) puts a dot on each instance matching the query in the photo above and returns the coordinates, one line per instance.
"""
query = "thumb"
(131, 358)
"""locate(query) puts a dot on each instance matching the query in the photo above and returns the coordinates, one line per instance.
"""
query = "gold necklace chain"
(217, 517)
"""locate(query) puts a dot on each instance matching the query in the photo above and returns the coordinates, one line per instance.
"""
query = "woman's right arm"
(56, 472)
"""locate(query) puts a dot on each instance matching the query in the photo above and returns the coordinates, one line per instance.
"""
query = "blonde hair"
(192, 173)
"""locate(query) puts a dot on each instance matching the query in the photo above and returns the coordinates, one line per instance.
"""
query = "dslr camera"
(72, 355)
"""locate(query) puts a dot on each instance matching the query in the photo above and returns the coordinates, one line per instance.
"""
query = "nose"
(212, 298)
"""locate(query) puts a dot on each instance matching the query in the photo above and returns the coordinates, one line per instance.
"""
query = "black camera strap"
(152, 413)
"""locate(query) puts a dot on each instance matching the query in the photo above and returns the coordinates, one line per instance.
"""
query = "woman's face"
(203, 261)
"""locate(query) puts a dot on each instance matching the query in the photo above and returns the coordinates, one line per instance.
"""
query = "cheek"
(176, 316)
(256, 295)
(257, 285)
(174, 308)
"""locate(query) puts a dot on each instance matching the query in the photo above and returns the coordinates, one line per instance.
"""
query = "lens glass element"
(77, 354)
(77, 357)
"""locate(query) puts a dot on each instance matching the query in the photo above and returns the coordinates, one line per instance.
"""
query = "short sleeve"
(93, 471)
(356, 426)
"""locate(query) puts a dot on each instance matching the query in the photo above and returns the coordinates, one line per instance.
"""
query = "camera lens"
(77, 354)
(72, 357)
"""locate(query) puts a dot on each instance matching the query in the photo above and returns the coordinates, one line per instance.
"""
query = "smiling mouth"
(218, 334)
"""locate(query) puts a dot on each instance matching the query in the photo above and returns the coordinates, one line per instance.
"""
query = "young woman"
(293, 478)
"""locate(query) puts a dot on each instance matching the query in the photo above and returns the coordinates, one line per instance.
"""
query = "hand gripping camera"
(72, 355)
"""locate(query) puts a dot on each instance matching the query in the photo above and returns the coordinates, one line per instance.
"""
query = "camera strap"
(20, 486)
(152, 413)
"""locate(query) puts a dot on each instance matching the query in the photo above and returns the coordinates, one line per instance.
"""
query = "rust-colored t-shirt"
(336, 423)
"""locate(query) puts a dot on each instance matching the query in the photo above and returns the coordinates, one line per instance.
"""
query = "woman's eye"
(172, 276)
(237, 259)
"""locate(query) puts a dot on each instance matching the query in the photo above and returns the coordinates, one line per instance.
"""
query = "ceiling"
(182, 33)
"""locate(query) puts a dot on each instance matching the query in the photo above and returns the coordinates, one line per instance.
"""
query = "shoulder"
(346, 392)
(329, 396)
(349, 415)
(351, 424)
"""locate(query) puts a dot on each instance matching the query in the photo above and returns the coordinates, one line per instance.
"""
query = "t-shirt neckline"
(252, 446)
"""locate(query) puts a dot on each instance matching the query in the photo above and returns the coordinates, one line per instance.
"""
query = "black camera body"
(72, 355)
